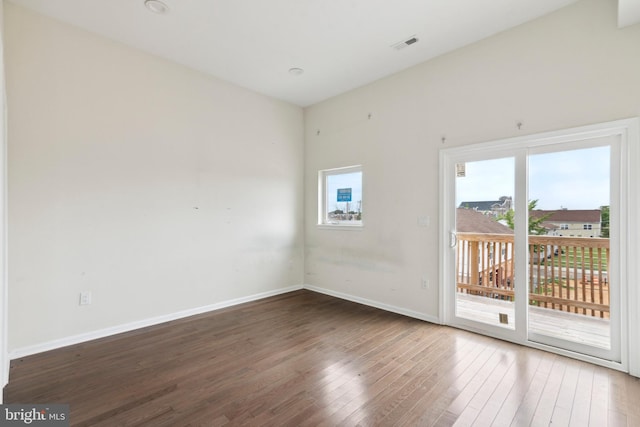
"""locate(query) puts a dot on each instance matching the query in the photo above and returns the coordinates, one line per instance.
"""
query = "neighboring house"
(571, 223)
(494, 208)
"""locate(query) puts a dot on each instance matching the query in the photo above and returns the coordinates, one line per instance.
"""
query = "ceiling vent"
(404, 43)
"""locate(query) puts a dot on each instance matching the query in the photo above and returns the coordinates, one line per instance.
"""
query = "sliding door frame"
(625, 240)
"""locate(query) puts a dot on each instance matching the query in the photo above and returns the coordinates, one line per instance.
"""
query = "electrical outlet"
(424, 284)
(85, 297)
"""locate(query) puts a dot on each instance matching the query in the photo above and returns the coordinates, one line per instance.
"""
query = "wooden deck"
(588, 330)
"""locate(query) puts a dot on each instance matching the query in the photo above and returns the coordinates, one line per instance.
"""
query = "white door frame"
(628, 132)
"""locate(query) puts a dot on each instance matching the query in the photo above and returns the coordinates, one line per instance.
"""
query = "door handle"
(453, 239)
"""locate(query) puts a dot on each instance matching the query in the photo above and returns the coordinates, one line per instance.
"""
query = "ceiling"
(340, 44)
(628, 12)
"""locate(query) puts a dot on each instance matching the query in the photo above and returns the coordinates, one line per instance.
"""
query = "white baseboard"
(127, 327)
(376, 304)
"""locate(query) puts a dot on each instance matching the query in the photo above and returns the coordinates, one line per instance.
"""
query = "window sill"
(349, 227)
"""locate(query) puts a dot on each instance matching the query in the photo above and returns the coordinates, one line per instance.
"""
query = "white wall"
(157, 188)
(4, 330)
(570, 68)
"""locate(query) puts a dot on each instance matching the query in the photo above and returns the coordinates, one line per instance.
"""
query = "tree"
(604, 221)
(535, 221)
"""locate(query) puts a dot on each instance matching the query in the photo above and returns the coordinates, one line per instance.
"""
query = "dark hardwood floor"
(306, 359)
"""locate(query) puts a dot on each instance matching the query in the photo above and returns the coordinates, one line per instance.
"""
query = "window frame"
(323, 201)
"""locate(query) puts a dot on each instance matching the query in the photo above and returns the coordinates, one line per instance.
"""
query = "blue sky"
(347, 180)
(577, 179)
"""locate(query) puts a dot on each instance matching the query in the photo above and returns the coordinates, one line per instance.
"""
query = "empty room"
(305, 212)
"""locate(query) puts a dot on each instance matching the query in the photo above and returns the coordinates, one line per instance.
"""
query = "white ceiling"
(628, 12)
(341, 44)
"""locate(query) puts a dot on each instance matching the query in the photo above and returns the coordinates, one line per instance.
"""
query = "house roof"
(481, 206)
(471, 221)
(566, 215)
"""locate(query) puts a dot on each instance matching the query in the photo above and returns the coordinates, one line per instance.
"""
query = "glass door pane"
(569, 255)
(484, 225)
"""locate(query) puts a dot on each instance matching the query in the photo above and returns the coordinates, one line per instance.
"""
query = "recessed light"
(296, 71)
(156, 6)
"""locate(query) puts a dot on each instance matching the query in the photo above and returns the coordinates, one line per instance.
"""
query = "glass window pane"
(342, 196)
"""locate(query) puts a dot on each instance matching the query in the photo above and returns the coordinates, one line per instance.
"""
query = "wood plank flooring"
(307, 359)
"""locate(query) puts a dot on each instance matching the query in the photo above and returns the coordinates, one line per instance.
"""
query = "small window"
(340, 196)
(564, 226)
(586, 227)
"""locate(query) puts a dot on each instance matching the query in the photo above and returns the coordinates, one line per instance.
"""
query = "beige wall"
(157, 188)
(570, 68)
(4, 305)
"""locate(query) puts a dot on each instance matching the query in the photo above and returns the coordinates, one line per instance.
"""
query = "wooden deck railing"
(565, 273)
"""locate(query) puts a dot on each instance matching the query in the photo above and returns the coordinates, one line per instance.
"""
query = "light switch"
(423, 221)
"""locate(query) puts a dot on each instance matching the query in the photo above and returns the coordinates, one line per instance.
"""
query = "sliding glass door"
(570, 253)
(531, 241)
(484, 207)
